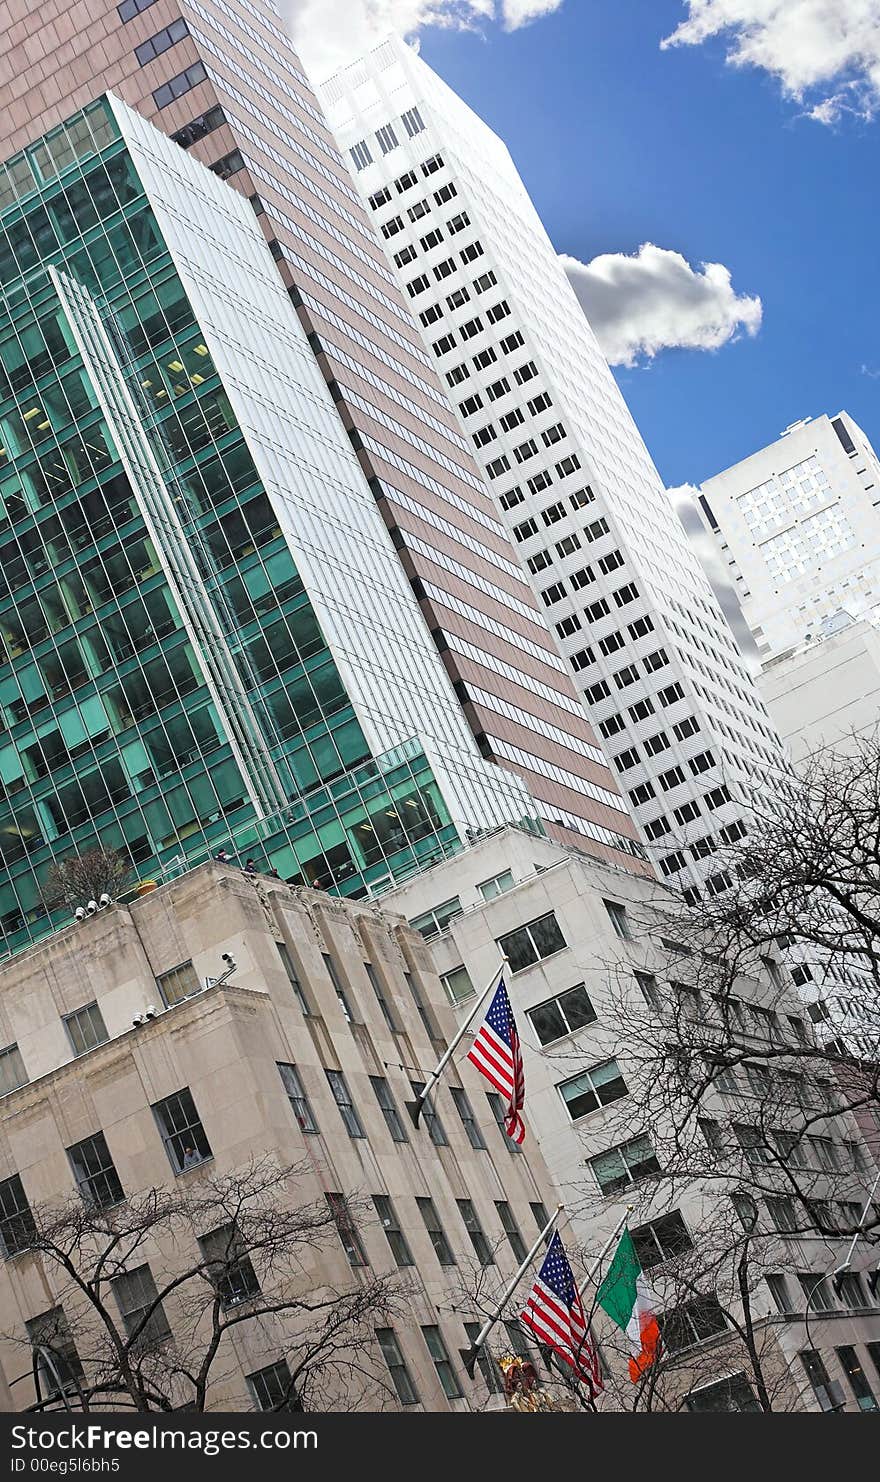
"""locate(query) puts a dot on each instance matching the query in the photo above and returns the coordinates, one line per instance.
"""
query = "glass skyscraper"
(221, 78)
(207, 638)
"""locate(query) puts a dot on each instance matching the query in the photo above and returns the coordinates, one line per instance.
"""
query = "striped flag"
(555, 1314)
(497, 1055)
(630, 1301)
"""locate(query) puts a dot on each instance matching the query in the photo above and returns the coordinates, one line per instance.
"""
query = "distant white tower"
(798, 526)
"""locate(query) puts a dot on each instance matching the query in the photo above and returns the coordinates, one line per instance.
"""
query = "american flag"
(555, 1314)
(497, 1055)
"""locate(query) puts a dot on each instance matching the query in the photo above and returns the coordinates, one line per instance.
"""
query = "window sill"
(193, 1168)
(516, 972)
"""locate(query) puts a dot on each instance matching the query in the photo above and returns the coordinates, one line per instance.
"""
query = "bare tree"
(80, 878)
(236, 1252)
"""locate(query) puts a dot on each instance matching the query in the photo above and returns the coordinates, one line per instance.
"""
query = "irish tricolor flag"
(629, 1301)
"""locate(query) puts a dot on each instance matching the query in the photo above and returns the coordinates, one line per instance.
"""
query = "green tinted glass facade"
(165, 687)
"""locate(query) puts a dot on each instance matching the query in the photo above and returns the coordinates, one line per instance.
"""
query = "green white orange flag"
(628, 1299)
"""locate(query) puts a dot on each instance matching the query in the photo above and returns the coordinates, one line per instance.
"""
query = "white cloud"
(824, 53)
(329, 34)
(656, 301)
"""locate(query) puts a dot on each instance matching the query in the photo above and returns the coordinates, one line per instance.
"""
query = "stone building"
(131, 1064)
(596, 975)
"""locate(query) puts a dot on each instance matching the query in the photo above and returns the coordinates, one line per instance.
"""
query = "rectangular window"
(591, 1089)
(293, 978)
(127, 11)
(17, 1228)
(181, 1130)
(177, 86)
(155, 45)
(393, 1233)
(339, 990)
(430, 1118)
(179, 983)
(400, 1376)
(346, 1229)
(562, 1015)
(621, 1166)
(457, 984)
(342, 1097)
(143, 1315)
(525, 373)
(228, 1266)
(386, 139)
(412, 121)
(568, 625)
(381, 998)
(461, 1102)
(511, 1229)
(437, 1234)
(458, 374)
(619, 920)
(485, 1362)
(485, 280)
(85, 1028)
(648, 988)
(568, 465)
(512, 342)
(440, 1357)
(406, 182)
(482, 1248)
(64, 1372)
(531, 943)
(299, 1102)
(273, 1387)
(662, 1239)
(12, 1071)
(445, 193)
(458, 223)
(432, 922)
(432, 165)
(94, 1171)
(854, 1372)
(499, 1112)
(685, 1326)
(731, 1394)
(386, 1101)
(404, 256)
(540, 1215)
(360, 155)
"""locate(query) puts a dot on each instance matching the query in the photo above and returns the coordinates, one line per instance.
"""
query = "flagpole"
(547, 1353)
(469, 1355)
(591, 1274)
(415, 1107)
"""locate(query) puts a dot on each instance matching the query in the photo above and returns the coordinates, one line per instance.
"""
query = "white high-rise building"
(798, 527)
(631, 608)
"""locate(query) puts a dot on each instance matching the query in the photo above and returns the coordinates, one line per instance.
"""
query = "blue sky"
(621, 142)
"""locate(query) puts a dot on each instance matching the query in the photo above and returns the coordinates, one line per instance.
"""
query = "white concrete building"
(826, 694)
(797, 525)
(577, 933)
(631, 608)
